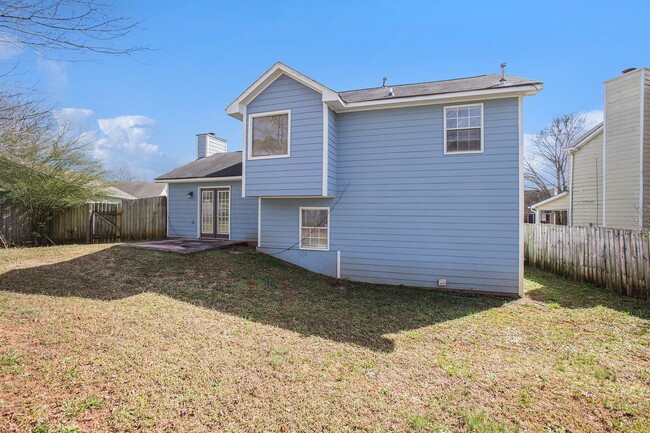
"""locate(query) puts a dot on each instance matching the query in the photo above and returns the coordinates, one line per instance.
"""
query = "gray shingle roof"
(481, 82)
(218, 165)
(141, 189)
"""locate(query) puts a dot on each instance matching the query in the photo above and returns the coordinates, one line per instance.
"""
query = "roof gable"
(236, 107)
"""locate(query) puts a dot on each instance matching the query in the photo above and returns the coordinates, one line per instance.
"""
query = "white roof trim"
(235, 109)
(334, 101)
(200, 179)
(598, 129)
(549, 200)
(473, 95)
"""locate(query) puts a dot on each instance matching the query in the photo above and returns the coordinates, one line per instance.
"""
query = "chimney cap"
(625, 71)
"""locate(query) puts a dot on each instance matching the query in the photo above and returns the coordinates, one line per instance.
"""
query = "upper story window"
(269, 135)
(464, 128)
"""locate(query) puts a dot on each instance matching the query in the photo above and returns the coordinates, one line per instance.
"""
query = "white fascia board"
(235, 109)
(577, 146)
(200, 179)
(472, 95)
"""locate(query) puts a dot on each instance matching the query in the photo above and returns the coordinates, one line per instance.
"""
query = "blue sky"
(145, 113)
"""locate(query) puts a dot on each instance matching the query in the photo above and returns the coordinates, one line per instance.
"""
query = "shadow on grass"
(241, 282)
(571, 294)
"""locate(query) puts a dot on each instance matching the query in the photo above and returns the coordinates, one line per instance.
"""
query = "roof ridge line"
(419, 82)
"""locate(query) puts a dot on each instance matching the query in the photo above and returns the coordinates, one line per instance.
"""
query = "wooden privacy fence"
(614, 258)
(140, 219)
(145, 218)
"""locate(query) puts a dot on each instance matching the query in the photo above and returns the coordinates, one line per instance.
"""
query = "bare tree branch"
(48, 27)
(546, 164)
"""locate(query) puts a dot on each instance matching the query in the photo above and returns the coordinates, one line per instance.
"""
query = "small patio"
(184, 245)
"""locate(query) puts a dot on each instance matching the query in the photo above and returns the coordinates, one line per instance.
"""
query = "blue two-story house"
(416, 184)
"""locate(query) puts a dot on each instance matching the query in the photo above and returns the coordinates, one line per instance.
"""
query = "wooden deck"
(184, 245)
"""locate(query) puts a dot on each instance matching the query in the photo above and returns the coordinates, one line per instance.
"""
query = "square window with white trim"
(269, 135)
(314, 228)
(464, 128)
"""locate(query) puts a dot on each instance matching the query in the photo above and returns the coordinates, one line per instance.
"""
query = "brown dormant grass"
(105, 339)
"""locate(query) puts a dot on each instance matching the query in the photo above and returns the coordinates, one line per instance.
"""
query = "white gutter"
(439, 98)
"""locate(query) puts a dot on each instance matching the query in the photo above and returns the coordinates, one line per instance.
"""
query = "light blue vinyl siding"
(183, 212)
(412, 215)
(281, 233)
(302, 172)
(331, 153)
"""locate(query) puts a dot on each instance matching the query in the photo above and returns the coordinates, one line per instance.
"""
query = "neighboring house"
(609, 165)
(142, 189)
(417, 184)
(112, 194)
(553, 210)
(119, 191)
(531, 196)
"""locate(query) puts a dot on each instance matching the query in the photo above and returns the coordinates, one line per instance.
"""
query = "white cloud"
(74, 118)
(124, 141)
(592, 118)
(120, 142)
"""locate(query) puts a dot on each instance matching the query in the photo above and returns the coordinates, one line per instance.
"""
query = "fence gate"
(105, 222)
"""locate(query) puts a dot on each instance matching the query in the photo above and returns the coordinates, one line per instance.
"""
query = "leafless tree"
(60, 28)
(545, 163)
(124, 174)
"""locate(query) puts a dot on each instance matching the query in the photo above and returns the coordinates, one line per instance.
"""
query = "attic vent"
(625, 71)
(503, 73)
(383, 82)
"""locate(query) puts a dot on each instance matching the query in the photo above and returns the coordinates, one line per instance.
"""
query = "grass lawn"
(106, 338)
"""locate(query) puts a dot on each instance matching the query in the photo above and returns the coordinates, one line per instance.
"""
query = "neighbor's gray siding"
(302, 172)
(587, 184)
(411, 214)
(622, 151)
(331, 153)
(183, 212)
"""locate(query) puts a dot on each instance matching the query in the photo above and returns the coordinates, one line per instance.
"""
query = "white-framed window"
(463, 125)
(269, 135)
(315, 228)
